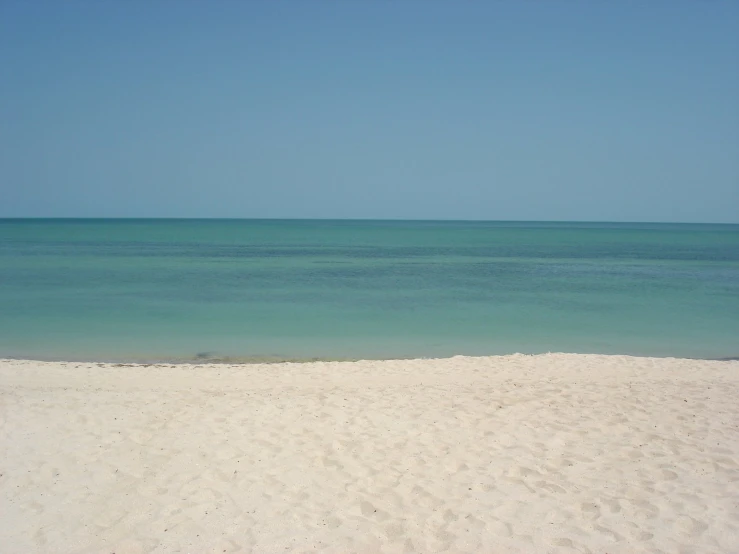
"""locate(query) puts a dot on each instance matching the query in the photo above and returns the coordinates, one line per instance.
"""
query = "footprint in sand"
(689, 526)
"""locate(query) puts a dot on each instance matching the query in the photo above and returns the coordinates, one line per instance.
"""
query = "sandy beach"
(550, 453)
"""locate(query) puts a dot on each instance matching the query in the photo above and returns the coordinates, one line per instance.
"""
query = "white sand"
(553, 453)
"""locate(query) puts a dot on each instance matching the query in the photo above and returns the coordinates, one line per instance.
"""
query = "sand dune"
(551, 453)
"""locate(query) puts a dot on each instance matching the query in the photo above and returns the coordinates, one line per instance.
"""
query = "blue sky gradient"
(596, 111)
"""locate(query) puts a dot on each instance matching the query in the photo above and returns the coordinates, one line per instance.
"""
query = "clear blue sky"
(516, 110)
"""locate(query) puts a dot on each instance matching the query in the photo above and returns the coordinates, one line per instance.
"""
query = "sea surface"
(209, 290)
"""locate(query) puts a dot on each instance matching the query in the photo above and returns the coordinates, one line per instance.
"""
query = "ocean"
(250, 290)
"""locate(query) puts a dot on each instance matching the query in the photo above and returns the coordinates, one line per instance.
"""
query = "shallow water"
(273, 290)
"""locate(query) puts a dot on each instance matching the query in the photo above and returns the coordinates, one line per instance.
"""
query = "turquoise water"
(254, 289)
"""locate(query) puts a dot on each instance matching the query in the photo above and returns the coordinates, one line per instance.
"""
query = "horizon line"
(451, 220)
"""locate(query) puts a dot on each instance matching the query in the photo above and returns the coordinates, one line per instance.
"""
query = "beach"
(546, 453)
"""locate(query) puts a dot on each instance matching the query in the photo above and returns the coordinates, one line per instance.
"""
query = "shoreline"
(276, 360)
(519, 453)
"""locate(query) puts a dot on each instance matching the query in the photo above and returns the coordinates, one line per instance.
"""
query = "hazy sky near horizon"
(561, 110)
